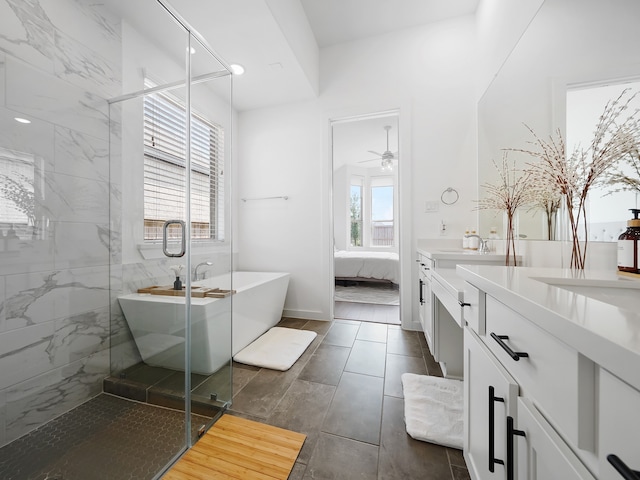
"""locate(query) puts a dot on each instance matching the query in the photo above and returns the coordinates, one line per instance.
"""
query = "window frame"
(210, 169)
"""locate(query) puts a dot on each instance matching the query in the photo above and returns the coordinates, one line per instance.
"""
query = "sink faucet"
(195, 270)
(483, 248)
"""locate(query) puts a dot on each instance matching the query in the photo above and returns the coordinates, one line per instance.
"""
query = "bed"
(366, 266)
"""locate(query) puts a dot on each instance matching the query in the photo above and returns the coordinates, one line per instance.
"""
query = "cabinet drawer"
(559, 380)
(619, 425)
(448, 301)
(474, 311)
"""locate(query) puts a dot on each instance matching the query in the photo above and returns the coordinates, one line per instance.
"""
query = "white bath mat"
(433, 409)
(277, 349)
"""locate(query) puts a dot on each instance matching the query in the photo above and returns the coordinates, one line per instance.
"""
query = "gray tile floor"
(345, 394)
(367, 312)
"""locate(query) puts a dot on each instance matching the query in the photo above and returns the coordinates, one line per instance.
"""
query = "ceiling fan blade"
(370, 160)
(375, 153)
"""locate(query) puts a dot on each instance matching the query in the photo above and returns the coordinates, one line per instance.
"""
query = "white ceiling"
(338, 21)
(277, 41)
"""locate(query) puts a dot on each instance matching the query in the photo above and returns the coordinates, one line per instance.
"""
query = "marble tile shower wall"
(59, 63)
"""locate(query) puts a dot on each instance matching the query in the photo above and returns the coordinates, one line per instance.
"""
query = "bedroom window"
(355, 210)
(382, 218)
(164, 169)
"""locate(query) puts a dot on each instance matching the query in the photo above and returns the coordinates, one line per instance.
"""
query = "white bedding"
(370, 265)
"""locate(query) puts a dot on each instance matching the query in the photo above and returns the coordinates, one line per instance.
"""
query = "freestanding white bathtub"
(158, 326)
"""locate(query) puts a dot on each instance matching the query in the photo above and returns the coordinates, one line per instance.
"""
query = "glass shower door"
(210, 248)
(170, 339)
(149, 243)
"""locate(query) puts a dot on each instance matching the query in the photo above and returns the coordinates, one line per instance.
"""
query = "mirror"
(608, 207)
(569, 44)
(365, 218)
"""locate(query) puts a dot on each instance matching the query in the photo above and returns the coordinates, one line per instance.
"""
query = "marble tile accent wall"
(59, 63)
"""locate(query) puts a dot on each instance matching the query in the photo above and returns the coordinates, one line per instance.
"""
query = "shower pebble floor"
(105, 438)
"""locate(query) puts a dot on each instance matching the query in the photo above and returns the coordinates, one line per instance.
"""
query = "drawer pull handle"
(511, 432)
(622, 468)
(500, 339)
(492, 433)
(464, 304)
(421, 285)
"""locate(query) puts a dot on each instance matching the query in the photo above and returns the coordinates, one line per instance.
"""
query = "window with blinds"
(165, 169)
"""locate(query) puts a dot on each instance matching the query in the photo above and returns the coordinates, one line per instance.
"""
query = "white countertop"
(607, 333)
(459, 255)
(451, 281)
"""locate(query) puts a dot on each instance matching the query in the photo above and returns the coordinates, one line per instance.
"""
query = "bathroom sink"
(620, 292)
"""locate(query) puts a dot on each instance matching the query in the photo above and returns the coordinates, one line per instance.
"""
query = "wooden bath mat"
(238, 448)
(199, 292)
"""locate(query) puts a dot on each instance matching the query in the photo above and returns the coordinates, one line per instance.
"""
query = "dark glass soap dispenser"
(628, 245)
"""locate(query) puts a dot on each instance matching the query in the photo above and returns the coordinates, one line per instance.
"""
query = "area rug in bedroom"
(377, 293)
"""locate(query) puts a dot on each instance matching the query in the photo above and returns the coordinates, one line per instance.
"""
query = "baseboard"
(412, 326)
(305, 314)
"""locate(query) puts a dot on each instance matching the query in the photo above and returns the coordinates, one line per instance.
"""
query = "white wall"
(501, 23)
(279, 155)
(428, 74)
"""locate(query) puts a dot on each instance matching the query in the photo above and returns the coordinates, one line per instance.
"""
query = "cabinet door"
(542, 454)
(426, 311)
(489, 397)
(619, 426)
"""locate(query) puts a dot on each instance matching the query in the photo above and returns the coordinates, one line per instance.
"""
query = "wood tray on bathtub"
(198, 292)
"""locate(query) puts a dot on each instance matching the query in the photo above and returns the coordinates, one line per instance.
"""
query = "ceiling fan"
(387, 157)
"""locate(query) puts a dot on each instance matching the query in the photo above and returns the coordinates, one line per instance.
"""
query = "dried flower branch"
(573, 176)
(509, 194)
(546, 198)
(621, 181)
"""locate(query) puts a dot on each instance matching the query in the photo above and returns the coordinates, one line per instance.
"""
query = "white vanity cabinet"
(619, 427)
(425, 297)
(490, 397)
(554, 375)
(512, 371)
(571, 361)
(542, 453)
(440, 294)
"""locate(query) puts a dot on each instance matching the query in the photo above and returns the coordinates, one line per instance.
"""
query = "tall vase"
(510, 223)
(575, 235)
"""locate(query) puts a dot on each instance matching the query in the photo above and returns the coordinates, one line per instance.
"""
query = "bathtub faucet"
(195, 270)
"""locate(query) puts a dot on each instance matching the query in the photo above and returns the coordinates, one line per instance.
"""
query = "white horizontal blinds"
(164, 169)
(17, 194)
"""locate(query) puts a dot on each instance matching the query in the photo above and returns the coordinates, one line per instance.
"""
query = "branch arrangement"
(512, 191)
(557, 178)
(573, 176)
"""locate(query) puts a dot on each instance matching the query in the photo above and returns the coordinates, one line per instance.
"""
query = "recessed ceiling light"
(236, 69)
(22, 120)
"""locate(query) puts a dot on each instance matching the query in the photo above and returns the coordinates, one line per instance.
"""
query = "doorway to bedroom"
(365, 218)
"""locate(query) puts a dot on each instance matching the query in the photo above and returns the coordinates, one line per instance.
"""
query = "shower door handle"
(183, 244)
